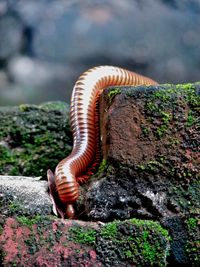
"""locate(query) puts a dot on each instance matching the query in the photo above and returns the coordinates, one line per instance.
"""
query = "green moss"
(151, 166)
(139, 242)
(102, 167)
(112, 93)
(163, 107)
(145, 131)
(8, 159)
(173, 141)
(192, 98)
(192, 223)
(28, 221)
(109, 230)
(165, 119)
(82, 235)
(191, 120)
(151, 225)
(193, 243)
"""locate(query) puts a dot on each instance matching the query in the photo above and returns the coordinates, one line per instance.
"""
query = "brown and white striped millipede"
(64, 186)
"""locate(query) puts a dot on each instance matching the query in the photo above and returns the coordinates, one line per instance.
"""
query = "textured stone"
(151, 167)
(33, 138)
(42, 241)
(24, 195)
(150, 170)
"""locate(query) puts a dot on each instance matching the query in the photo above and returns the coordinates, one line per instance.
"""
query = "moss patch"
(164, 107)
(134, 241)
(82, 235)
(193, 245)
(102, 167)
(29, 221)
(112, 93)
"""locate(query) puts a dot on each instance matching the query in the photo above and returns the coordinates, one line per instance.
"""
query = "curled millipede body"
(82, 116)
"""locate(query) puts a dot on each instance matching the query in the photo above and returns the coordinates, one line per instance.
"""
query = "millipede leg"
(57, 210)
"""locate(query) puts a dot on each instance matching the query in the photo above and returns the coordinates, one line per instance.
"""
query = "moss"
(82, 236)
(41, 234)
(135, 241)
(192, 223)
(164, 104)
(173, 141)
(151, 166)
(139, 242)
(145, 131)
(191, 94)
(193, 244)
(8, 160)
(32, 244)
(109, 230)
(112, 93)
(102, 167)
(28, 221)
(191, 120)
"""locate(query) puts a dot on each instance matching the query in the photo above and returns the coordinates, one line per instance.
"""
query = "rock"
(23, 195)
(33, 138)
(150, 141)
(145, 193)
(151, 166)
(44, 241)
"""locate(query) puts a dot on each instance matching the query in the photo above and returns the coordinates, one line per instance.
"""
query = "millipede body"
(69, 173)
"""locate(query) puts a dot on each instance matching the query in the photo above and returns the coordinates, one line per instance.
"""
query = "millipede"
(73, 170)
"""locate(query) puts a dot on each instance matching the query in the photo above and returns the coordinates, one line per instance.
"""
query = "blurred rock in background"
(45, 45)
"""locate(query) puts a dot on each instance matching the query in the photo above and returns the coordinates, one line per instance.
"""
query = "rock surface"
(33, 138)
(151, 140)
(150, 171)
(23, 195)
(151, 167)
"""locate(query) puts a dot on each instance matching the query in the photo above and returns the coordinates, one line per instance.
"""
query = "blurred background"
(46, 44)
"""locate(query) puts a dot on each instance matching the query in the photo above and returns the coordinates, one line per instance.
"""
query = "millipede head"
(64, 211)
(70, 213)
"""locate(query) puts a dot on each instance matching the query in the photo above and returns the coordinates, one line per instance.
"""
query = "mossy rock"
(139, 242)
(33, 138)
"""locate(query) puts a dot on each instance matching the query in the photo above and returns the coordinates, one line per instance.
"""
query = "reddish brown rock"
(45, 242)
(151, 168)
